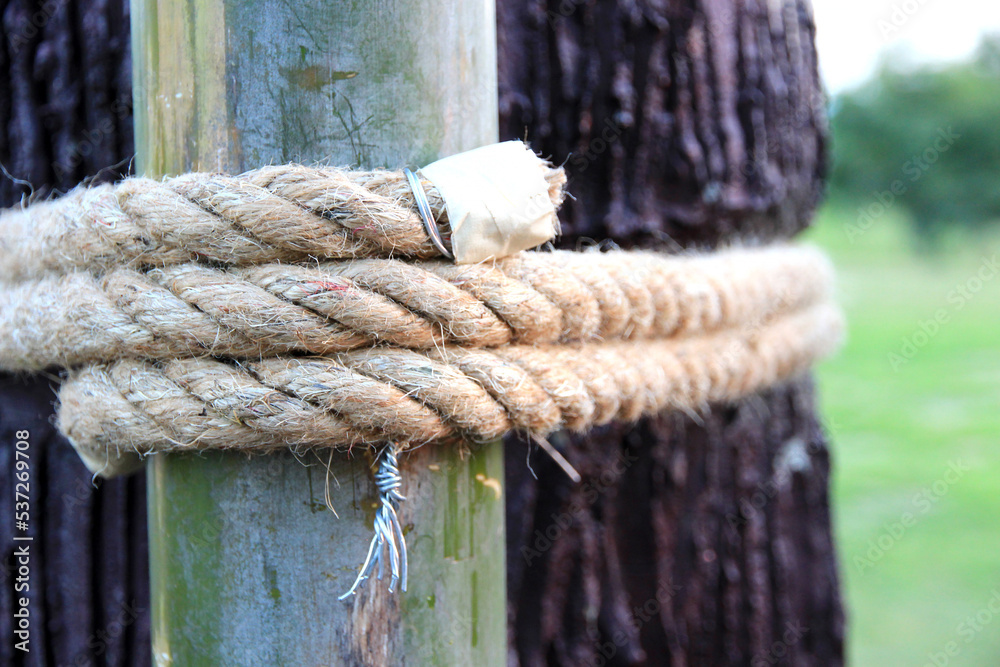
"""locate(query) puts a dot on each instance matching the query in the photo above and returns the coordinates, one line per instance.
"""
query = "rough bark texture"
(694, 540)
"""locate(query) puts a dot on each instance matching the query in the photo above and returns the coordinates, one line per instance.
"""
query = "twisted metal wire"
(388, 533)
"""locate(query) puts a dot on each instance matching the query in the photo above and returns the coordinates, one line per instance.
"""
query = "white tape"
(497, 199)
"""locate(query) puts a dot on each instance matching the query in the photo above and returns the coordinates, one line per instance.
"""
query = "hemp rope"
(185, 308)
(192, 310)
(188, 311)
(379, 394)
(280, 213)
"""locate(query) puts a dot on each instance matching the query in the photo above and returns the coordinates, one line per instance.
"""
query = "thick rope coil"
(279, 213)
(194, 310)
(188, 308)
(112, 411)
(173, 301)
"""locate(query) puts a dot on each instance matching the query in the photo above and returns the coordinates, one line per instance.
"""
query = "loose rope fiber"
(293, 307)
(194, 310)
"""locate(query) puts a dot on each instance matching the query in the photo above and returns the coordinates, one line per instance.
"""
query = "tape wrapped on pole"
(498, 201)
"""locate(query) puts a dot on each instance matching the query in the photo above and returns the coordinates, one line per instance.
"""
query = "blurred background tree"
(932, 125)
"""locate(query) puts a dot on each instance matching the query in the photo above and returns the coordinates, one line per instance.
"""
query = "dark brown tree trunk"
(701, 539)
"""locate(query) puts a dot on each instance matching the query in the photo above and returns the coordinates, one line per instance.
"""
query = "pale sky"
(851, 34)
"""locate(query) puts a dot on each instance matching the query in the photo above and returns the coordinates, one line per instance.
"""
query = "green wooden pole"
(246, 562)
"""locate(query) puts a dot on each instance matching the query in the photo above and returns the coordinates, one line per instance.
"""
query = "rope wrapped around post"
(284, 213)
(185, 328)
(196, 310)
(449, 395)
(294, 308)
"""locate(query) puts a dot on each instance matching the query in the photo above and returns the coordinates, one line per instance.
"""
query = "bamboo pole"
(246, 562)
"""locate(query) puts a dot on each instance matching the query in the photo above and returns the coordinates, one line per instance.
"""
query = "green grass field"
(915, 445)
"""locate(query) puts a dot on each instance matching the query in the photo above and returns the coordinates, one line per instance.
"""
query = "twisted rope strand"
(534, 298)
(280, 213)
(172, 299)
(374, 395)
